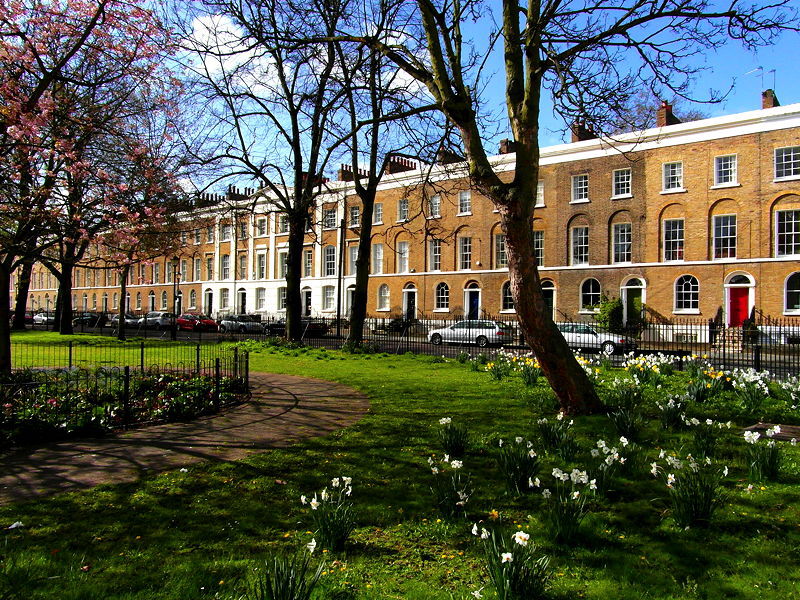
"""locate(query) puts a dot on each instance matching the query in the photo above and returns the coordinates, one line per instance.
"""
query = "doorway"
(410, 303)
(242, 302)
(739, 298)
(306, 302)
(549, 297)
(632, 296)
(208, 303)
(472, 301)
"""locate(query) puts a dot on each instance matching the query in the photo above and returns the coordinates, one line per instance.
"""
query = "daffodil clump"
(649, 369)
(452, 486)
(751, 388)
(694, 487)
(453, 437)
(609, 460)
(705, 434)
(565, 505)
(790, 391)
(707, 384)
(763, 459)
(557, 435)
(672, 412)
(516, 569)
(332, 513)
(519, 464)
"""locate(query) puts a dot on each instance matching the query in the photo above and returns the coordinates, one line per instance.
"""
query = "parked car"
(310, 328)
(28, 317)
(131, 320)
(157, 319)
(196, 322)
(482, 333)
(90, 319)
(44, 318)
(585, 337)
(241, 324)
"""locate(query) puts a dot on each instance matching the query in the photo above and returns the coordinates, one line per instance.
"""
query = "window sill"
(432, 217)
(402, 220)
(722, 186)
(326, 229)
(539, 206)
(382, 309)
(787, 178)
(508, 311)
(378, 223)
(582, 201)
(587, 311)
(688, 311)
(464, 214)
(441, 310)
(680, 190)
(586, 264)
(622, 196)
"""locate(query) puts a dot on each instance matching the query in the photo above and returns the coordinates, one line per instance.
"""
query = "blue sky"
(728, 66)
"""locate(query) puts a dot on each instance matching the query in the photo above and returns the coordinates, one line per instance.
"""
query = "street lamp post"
(174, 329)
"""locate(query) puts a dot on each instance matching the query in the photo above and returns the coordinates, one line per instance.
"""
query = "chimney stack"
(446, 157)
(664, 115)
(508, 146)
(582, 132)
(399, 164)
(769, 99)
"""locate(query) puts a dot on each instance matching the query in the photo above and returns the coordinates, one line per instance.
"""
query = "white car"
(241, 324)
(580, 336)
(157, 319)
(481, 333)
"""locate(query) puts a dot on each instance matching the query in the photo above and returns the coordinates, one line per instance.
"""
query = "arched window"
(193, 299)
(506, 299)
(115, 301)
(94, 301)
(138, 301)
(687, 293)
(163, 300)
(383, 297)
(442, 296)
(151, 301)
(793, 293)
(590, 294)
(85, 302)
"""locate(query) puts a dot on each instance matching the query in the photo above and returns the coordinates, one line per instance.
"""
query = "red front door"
(738, 301)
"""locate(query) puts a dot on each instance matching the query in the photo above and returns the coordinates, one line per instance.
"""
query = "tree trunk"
(358, 311)
(23, 286)
(5, 329)
(566, 376)
(294, 260)
(64, 316)
(123, 308)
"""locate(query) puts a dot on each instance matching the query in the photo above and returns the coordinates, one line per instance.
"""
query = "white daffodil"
(335, 482)
(670, 480)
(518, 440)
(312, 545)
(475, 529)
(477, 593)
(347, 480)
(546, 493)
(314, 503)
(16, 525)
(654, 469)
(324, 494)
(456, 464)
(624, 441)
(445, 421)
(303, 500)
(593, 484)
(484, 533)
(576, 494)
(532, 453)
(506, 557)
(521, 538)
(725, 471)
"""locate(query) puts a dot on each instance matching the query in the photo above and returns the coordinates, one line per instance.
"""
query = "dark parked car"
(309, 328)
(196, 322)
(90, 319)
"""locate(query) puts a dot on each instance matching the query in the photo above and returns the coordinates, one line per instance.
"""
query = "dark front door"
(307, 303)
(411, 304)
(473, 304)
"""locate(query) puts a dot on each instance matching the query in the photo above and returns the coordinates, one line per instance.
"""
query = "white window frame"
(355, 216)
(622, 236)
(377, 213)
(731, 231)
(590, 299)
(329, 218)
(261, 265)
(676, 245)
(281, 299)
(500, 252)
(794, 244)
(329, 261)
(261, 298)
(795, 310)
(376, 265)
(225, 232)
(538, 247)
(435, 254)
(506, 298)
(402, 210)
(579, 187)
(579, 245)
(261, 227)
(539, 194)
(328, 297)
(283, 264)
(464, 203)
(692, 299)
(726, 175)
(224, 298)
(383, 303)
(435, 206)
(352, 258)
(402, 257)
(787, 170)
(672, 177)
(441, 297)
(308, 262)
(225, 266)
(464, 253)
(622, 183)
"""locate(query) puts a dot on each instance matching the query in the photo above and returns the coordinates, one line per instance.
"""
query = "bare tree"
(591, 56)
(271, 98)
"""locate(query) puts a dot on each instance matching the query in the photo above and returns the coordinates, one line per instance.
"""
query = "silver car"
(481, 333)
(157, 319)
(241, 324)
(580, 336)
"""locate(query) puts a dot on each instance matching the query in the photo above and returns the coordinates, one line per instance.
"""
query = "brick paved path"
(283, 409)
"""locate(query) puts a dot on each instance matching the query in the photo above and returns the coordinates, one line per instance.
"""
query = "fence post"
(141, 356)
(757, 357)
(126, 398)
(70, 354)
(247, 370)
(216, 383)
(197, 359)
(235, 362)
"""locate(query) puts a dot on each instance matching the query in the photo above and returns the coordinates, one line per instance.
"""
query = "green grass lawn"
(203, 533)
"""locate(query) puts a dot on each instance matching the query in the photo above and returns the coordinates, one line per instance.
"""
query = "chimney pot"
(664, 115)
(769, 99)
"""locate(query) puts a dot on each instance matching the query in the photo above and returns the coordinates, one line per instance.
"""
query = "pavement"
(283, 410)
